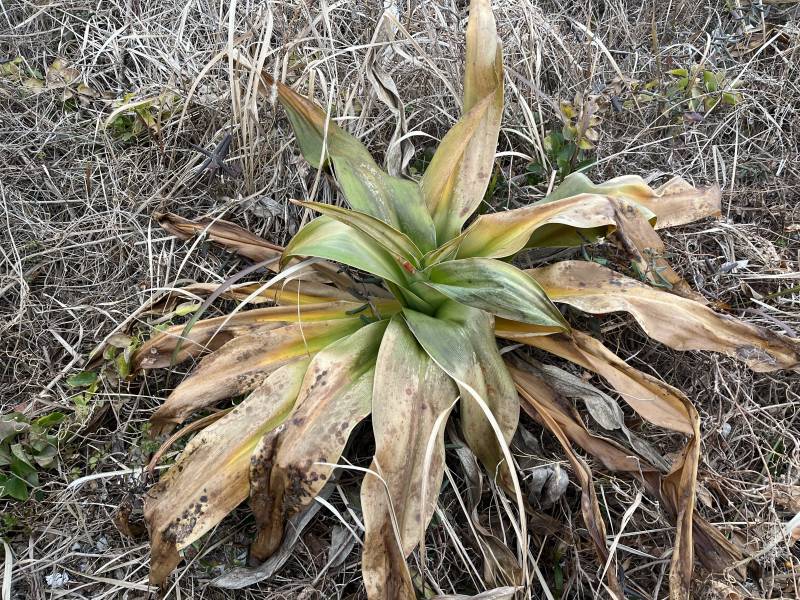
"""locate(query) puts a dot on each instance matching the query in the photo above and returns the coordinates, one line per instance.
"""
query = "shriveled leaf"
(675, 203)
(389, 238)
(656, 402)
(211, 477)
(325, 238)
(603, 408)
(411, 400)
(335, 396)
(230, 236)
(454, 183)
(243, 363)
(366, 186)
(542, 398)
(713, 550)
(498, 288)
(212, 334)
(461, 341)
(677, 322)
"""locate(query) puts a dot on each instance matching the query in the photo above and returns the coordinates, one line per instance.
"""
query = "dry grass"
(79, 254)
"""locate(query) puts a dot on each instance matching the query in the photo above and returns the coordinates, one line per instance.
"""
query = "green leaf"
(13, 486)
(325, 238)
(710, 81)
(48, 420)
(82, 379)
(496, 287)
(389, 238)
(11, 425)
(366, 186)
(186, 308)
(461, 340)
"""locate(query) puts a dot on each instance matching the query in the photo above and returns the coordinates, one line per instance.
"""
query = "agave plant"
(416, 344)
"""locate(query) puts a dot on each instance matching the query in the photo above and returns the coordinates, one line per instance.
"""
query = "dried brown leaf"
(677, 322)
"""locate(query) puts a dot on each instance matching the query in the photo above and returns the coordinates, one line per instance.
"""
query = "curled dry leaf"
(712, 548)
(210, 477)
(411, 401)
(226, 234)
(542, 399)
(335, 396)
(603, 408)
(661, 405)
(676, 202)
(243, 363)
(679, 323)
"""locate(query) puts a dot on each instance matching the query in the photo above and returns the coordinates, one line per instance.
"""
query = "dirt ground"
(93, 145)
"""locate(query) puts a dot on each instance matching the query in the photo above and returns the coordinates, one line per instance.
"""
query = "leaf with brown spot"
(334, 398)
(675, 203)
(210, 478)
(211, 334)
(456, 179)
(243, 363)
(679, 323)
(411, 400)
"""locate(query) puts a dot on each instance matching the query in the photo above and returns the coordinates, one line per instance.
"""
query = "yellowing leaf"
(379, 231)
(677, 322)
(567, 222)
(454, 183)
(210, 478)
(211, 334)
(335, 396)
(366, 186)
(325, 238)
(411, 400)
(243, 363)
(496, 287)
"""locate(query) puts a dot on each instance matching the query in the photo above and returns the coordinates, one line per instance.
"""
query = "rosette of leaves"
(420, 347)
